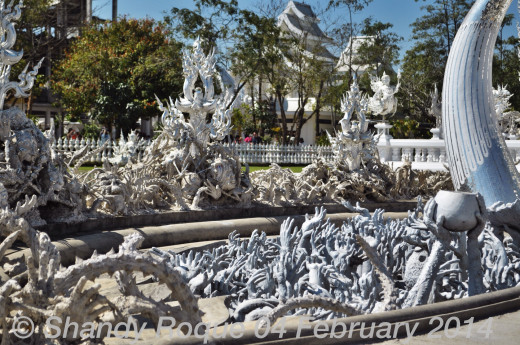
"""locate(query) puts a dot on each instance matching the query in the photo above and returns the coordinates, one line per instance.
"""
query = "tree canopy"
(113, 72)
(506, 64)
(423, 65)
(382, 53)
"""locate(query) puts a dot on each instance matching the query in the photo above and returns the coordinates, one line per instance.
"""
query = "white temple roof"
(300, 20)
(344, 59)
(301, 10)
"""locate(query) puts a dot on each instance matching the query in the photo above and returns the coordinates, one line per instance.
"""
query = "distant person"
(72, 134)
(301, 141)
(248, 139)
(238, 139)
(104, 135)
(256, 138)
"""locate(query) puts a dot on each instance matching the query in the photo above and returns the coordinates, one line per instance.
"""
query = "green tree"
(265, 122)
(307, 73)
(506, 63)
(212, 21)
(113, 72)
(244, 38)
(277, 73)
(352, 7)
(382, 52)
(423, 65)
(256, 37)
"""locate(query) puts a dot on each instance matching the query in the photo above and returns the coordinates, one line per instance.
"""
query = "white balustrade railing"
(280, 154)
(423, 153)
(414, 150)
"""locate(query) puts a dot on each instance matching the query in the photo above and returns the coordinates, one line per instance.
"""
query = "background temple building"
(348, 59)
(298, 20)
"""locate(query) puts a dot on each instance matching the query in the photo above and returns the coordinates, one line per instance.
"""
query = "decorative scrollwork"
(9, 57)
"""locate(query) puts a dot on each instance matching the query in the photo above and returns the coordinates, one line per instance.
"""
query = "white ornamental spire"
(9, 57)
(198, 102)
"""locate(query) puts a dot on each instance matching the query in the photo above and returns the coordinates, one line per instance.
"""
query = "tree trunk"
(279, 97)
(351, 44)
(253, 104)
(318, 108)
(259, 89)
(298, 116)
(260, 104)
(447, 25)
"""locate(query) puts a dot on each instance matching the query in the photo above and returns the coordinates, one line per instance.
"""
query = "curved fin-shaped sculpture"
(478, 157)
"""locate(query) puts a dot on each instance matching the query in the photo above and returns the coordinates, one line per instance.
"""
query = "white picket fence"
(423, 153)
(248, 153)
(280, 154)
(73, 145)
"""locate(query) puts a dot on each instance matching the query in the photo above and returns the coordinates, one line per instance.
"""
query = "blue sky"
(401, 13)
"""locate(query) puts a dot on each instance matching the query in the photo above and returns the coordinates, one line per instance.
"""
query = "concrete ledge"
(61, 230)
(167, 235)
(479, 307)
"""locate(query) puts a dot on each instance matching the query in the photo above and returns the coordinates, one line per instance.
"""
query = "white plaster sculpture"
(351, 143)
(127, 151)
(325, 182)
(477, 154)
(29, 168)
(38, 287)
(383, 102)
(10, 57)
(501, 96)
(186, 164)
(204, 168)
(199, 103)
(506, 119)
(369, 264)
(436, 112)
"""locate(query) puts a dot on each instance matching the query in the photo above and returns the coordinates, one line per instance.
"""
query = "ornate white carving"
(9, 57)
(350, 143)
(127, 151)
(369, 264)
(198, 103)
(506, 120)
(383, 102)
(190, 142)
(476, 151)
(436, 108)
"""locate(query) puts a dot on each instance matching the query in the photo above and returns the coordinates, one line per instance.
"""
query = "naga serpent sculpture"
(477, 154)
